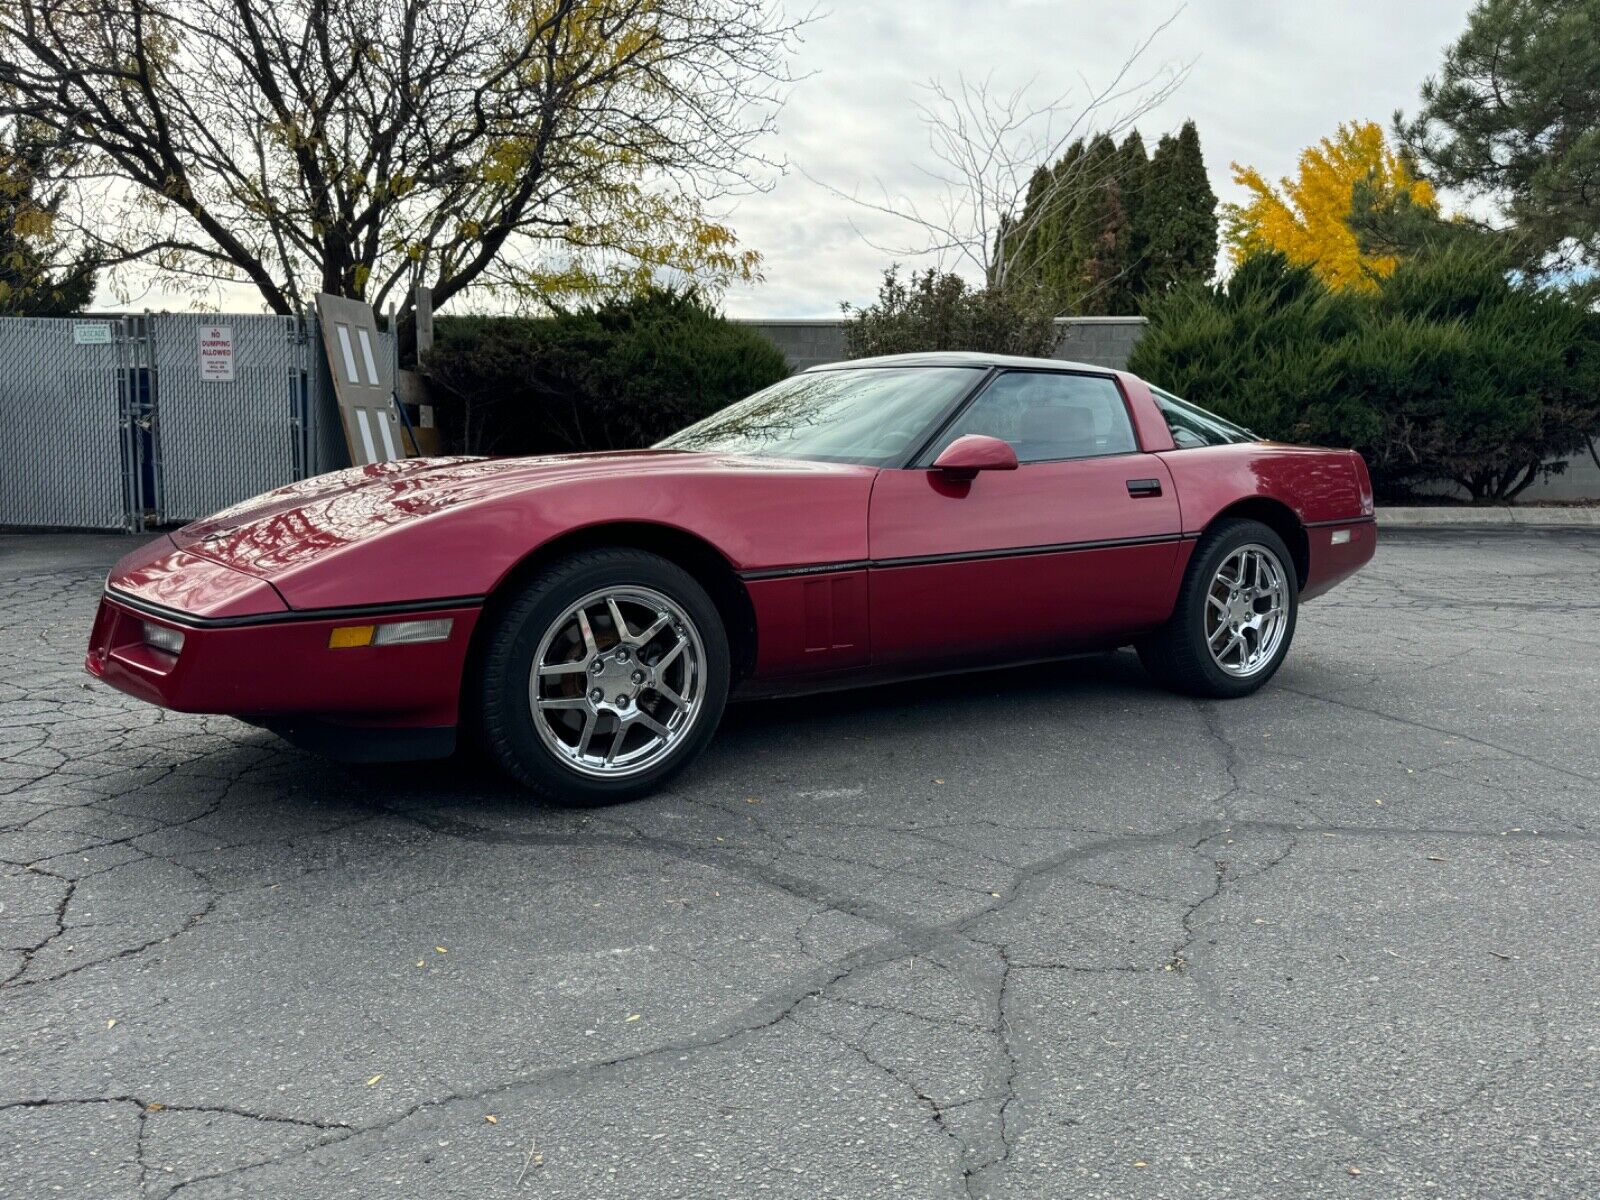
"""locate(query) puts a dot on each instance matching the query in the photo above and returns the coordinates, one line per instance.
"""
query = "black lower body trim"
(361, 744)
(923, 560)
(1369, 519)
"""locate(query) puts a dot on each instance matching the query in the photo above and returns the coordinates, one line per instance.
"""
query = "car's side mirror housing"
(966, 456)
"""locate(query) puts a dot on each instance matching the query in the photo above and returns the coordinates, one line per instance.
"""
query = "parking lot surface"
(1049, 932)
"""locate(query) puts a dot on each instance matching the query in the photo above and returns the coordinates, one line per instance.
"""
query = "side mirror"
(966, 456)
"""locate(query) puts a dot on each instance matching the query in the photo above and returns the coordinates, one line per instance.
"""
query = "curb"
(1449, 517)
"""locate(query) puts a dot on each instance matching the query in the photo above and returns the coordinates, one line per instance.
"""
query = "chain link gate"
(119, 426)
(223, 440)
(71, 452)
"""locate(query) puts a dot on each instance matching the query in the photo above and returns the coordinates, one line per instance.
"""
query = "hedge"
(619, 375)
(1452, 370)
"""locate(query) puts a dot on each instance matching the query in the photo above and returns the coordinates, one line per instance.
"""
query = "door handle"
(1139, 488)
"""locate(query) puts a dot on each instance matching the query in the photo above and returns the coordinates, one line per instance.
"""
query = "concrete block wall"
(804, 341)
(807, 341)
(1100, 341)
(1580, 481)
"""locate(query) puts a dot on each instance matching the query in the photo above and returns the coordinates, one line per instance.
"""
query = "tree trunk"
(1528, 476)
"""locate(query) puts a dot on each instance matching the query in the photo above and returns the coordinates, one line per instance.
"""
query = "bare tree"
(356, 146)
(987, 144)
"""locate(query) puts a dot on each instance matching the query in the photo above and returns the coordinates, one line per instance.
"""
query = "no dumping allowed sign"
(216, 353)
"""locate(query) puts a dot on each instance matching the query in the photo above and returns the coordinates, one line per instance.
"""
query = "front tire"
(604, 678)
(1235, 615)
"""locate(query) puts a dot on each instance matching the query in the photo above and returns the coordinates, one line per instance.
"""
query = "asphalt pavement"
(1040, 933)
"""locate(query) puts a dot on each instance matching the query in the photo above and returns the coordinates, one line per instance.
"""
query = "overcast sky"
(1267, 80)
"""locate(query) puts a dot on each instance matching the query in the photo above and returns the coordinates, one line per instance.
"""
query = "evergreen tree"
(1093, 259)
(1104, 286)
(1133, 175)
(1105, 225)
(1178, 216)
(35, 279)
(1028, 229)
(1514, 116)
(1044, 267)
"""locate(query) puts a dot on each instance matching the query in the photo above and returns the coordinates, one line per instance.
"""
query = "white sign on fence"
(91, 333)
(216, 353)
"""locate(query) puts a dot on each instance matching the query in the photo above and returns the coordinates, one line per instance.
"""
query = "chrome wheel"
(1247, 610)
(619, 679)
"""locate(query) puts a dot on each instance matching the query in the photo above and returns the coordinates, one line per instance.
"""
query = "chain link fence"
(139, 421)
(67, 445)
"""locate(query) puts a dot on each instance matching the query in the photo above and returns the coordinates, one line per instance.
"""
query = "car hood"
(291, 527)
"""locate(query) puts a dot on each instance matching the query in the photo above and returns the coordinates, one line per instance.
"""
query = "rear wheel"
(604, 678)
(1235, 614)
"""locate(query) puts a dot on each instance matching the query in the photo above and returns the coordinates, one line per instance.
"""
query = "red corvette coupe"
(588, 616)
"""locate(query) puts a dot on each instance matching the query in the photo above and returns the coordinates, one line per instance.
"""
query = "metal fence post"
(295, 332)
(145, 361)
(128, 422)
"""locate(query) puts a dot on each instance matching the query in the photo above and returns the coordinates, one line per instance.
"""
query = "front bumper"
(279, 665)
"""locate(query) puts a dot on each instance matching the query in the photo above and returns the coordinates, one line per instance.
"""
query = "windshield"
(868, 415)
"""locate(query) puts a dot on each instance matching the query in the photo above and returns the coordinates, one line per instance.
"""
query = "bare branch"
(307, 146)
(985, 145)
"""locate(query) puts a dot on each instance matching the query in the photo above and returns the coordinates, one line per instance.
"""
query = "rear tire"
(585, 711)
(1235, 615)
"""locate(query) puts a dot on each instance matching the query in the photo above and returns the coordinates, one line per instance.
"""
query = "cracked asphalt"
(1037, 933)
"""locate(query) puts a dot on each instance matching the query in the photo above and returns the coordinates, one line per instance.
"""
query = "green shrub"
(1451, 370)
(620, 375)
(931, 311)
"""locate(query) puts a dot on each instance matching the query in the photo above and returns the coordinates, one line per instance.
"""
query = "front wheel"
(604, 678)
(1234, 618)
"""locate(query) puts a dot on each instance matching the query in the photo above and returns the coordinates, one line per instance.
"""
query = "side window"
(1193, 426)
(1047, 417)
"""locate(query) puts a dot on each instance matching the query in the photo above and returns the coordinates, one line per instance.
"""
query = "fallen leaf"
(154, 1107)
(111, 1022)
(491, 1118)
(1352, 1170)
(375, 1079)
(1502, 957)
(1140, 1163)
(996, 895)
(938, 781)
(634, 1017)
(441, 950)
(420, 963)
(751, 800)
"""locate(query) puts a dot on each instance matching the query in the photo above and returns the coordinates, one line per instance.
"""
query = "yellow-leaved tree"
(1306, 217)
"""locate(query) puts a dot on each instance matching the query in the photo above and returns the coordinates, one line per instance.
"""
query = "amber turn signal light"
(394, 633)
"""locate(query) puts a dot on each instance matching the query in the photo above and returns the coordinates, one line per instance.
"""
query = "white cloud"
(1267, 81)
